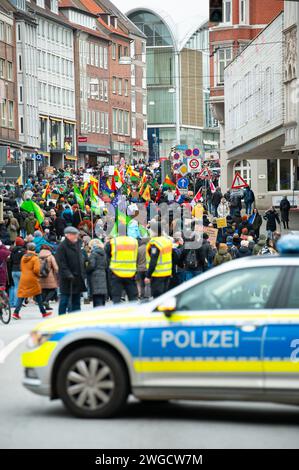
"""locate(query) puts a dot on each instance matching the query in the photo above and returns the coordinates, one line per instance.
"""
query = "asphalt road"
(28, 421)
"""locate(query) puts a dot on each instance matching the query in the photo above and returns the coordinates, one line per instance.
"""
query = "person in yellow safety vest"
(158, 261)
(122, 254)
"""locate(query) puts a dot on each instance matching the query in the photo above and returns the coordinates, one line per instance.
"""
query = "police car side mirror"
(167, 307)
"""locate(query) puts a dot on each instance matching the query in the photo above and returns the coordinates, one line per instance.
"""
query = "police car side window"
(248, 288)
(293, 300)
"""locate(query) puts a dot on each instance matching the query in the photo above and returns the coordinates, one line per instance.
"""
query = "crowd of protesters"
(65, 254)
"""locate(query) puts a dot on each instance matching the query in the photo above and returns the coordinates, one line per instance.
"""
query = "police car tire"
(121, 390)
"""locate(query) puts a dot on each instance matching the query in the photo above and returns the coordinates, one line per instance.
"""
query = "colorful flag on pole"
(146, 195)
(168, 183)
(30, 206)
(79, 197)
(46, 191)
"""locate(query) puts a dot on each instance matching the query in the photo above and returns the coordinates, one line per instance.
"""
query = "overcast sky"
(179, 10)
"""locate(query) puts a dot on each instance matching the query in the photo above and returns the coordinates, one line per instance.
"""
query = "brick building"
(243, 20)
(9, 138)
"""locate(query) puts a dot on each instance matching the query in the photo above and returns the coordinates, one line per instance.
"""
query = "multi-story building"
(9, 136)
(243, 20)
(175, 69)
(92, 84)
(56, 85)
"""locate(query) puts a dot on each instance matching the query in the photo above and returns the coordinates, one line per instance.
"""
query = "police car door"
(281, 349)
(215, 336)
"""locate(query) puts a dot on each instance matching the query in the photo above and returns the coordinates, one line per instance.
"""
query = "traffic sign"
(205, 174)
(177, 156)
(188, 152)
(183, 170)
(183, 183)
(239, 182)
(194, 165)
(196, 152)
(182, 147)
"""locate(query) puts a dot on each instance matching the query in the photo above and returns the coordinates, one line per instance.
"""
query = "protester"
(222, 255)
(48, 275)
(97, 269)
(14, 266)
(272, 218)
(285, 208)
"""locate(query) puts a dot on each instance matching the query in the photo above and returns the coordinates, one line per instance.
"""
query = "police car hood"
(94, 317)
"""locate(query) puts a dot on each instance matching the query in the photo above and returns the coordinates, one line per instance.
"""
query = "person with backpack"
(222, 255)
(14, 267)
(29, 285)
(191, 263)
(249, 199)
(48, 275)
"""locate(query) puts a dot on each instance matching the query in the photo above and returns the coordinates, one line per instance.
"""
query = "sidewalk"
(293, 224)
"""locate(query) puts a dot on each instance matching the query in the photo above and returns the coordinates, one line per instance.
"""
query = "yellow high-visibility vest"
(164, 263)
(124, 252)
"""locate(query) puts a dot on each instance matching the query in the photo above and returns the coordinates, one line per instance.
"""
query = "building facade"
(9, 132)
(177, 112)
(243, 20)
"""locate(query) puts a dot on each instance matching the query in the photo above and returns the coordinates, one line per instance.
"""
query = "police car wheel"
(92, 383)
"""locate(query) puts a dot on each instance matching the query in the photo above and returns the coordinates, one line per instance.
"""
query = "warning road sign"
(239, 182)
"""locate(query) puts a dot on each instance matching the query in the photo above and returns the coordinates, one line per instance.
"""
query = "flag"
(168, 183)
(143, 183)
(178, 197)
(30, 206)
(197, 198)
(46, 191)
(85, 189)
(212, 187)
(147, 194)
(159, 194)
(132, 173)
(95, 185)
(79, 197)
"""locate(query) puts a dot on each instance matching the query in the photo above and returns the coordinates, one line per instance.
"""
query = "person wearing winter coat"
(49, 283)
(39, 241)
(244, 249)
(29, 285)
(4, 254)
(14, 266)
(141, 268)
(13, 226)
(97, 269)
(216, 198)
(256, 222)
(70, 261)
(249, 199)
(222, 255)
(259, 245)
(272, 218)
(285, 207)
(223, 209)
(232, 249)
(30, 223)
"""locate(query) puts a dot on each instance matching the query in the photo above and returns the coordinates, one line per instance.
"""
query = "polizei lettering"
(200, 339)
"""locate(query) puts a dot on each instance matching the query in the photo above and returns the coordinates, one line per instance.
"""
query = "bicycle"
(5, 310)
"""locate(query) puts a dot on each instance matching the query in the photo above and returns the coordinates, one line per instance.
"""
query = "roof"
(181, 31)
(95, 7)
(74, 4)
(123, 18)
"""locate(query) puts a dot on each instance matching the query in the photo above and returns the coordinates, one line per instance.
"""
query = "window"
(144, 130)
(244, 169)
(143, 52)
(2, 68)
(54, 6)
(120, 122)
(10, 114)
(126, 123)
(21, 125)
(144, 104)
(244, 12)
(126, 52)
(227, 11)
(3, 105)
(1, 31)
(21, 93)
(102, 123)
(105, 90)
(92, 53)
(114, 124)
(96, 56)
(120, 82)
(105, 58)
(133, 127)
(244, 289)
(113, 51)
(19, 36)
(119, 51)
(101, 57)
(93, 121)
(133, 102)
(102, 90)
(8, 34)
(114, 85)
(20, 63)
(224, 57)
(144, 78)
(132, 49)
(40, 3)
(157, 33)
(133, 74)
(293, 297)
(106, 123)
(126, 87)
(280, 174)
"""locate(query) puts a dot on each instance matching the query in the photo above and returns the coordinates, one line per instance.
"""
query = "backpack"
(44, 268)
(191, 261)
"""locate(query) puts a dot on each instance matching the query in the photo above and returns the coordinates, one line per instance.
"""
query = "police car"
(231, 333)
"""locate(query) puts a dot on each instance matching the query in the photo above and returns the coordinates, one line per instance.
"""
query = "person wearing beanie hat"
(244, 249)
(232, 249)
(222, 255)
(260, 245)
(19, 241)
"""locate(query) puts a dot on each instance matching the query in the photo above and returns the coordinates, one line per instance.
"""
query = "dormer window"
(54, 6)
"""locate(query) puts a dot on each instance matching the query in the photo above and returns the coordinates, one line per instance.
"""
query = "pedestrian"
(244, 249)
(71, 272)
(97, 270)
(222, 255)
(158, 261)
(49, 274)
(232, 249)
(29, 285)
(285, 208)
(4, 254)
(216, 198)
(259, 245)
(223, 208)
(12, 227)
(143, 291)
(272, 218)
(249, 199)
(30, 223)
(256, 221)
(122, 255)
(14, 265)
